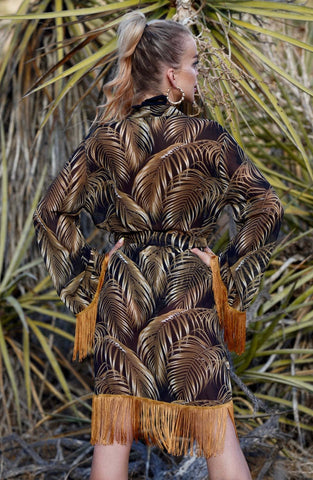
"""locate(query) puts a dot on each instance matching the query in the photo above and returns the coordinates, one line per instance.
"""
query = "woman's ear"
(171, 77)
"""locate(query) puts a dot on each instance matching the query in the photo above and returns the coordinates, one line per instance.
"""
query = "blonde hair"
(143, 49)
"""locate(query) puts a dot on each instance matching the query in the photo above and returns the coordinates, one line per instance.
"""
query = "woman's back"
(167, 171)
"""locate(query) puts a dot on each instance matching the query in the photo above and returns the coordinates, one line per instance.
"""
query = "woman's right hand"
(205, 255)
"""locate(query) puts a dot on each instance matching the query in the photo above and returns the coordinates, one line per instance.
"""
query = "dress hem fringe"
(178, 429)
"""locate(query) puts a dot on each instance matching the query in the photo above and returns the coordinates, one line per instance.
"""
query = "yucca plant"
(30, 318)
(277, 363)
(256, 61)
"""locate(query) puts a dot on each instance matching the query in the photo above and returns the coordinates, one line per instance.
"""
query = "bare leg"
(231, 464)
(110, 462)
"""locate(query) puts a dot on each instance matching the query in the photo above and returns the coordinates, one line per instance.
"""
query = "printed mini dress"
(157, 319)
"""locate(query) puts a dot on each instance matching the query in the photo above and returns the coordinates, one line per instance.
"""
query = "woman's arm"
(73, 265)
(257, 213)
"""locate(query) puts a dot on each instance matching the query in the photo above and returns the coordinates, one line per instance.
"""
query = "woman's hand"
(205, 255)
(118, 245)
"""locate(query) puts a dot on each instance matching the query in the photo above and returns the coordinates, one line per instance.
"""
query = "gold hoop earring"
(181, 98)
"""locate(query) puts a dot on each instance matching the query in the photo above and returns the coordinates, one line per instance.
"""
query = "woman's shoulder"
(101, 130)
(198, 128)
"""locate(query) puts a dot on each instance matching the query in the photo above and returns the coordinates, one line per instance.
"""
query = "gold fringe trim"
(232, 321)
(177, 428)
(86, 321)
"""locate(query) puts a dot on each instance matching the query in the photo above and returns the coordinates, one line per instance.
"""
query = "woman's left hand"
(118, 245)
(205, 255)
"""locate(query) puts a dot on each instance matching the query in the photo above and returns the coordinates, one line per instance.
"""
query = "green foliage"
(20, 334)
(256, 63)
(277, 363)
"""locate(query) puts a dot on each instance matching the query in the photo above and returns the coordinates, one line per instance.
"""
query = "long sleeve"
(258, 213)
(73, 265)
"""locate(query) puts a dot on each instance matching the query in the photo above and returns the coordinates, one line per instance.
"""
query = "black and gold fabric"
(161, 180)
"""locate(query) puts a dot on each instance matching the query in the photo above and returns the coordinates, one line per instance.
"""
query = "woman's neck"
(139, 98)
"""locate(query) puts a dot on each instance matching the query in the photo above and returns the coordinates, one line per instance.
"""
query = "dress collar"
(157, 100)
(156, 106)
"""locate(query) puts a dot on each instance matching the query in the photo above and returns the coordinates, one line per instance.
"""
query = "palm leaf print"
(249, 271)
(189, 281)
(129, 213)
(151, 182)
(71, 237)
(137, 293)
(59, 262)
(138, 141)
(178, 130)
(192, 363)
(70, 185)
(154, 263)
(260, 219)
(111, 382)
(118, 314)
(225, 392)
(158, 176)
(106, 151)
(97, 193)
(123, 360)
(188, 195)
(163, 331)
(84, 286)
(160, 180)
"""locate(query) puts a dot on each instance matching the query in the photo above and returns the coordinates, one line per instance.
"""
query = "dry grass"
(59, 448)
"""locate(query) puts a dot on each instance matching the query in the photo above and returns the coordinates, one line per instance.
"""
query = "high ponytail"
(119, 92)
(143, 49)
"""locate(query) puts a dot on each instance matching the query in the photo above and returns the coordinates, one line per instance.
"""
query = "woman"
(154, 309)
